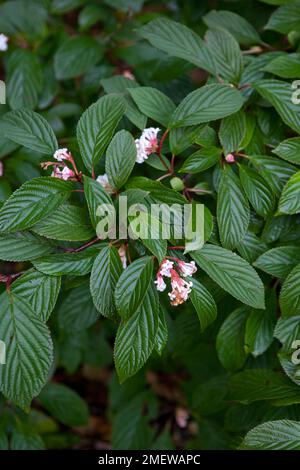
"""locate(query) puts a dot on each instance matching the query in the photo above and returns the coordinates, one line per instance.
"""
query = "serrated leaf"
(274, 435)
(232, 209)
(285, 19)
(39, 291)
(64, 404)
(232, 131)
(97, 126)
(289, 298)
(133, 285)
(68, 223)
(120, 158)
(259, 194)
(136, 337)
(232, 273)
(279, 261)
(76, 264)
(289, 202)
(285, 66)
(33, 201)
(153, 103)
(251, 246)
(289, 150)
(162, 332)
(95, 196)
(106, 271)
(201, 160)
(208, 103)
(28, 351)
(273, 170)
(77, 312)
(29, 129)
(204, 304)
(23, 246)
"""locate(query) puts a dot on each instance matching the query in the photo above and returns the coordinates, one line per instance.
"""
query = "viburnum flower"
(3, 42)
(64, 174)
(62, 154)
(122, 254)
(187, 269)
(1, 169)
(160, 283)
(147, 144)
(181, 288)
(103, 180)
(166, 267)
(128, 74)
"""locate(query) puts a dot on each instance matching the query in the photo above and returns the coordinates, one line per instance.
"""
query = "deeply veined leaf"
(153, 103)
(289, 202)
(95, 196)
(232, 273)
(289, 150)
(257, 190)
(289, 298)
(201, 160)
(39, 291)
(232, 131)
(28, 351)
(285, 19)
(133, 285)
(136, 336)
(279, 261)
(162, 332)
(273, 170)
(208, 103)
(238, 26)
(204, 304)
(279, 94)
(33, 201)
(251, 246)
(285, 66)
(178, 40)
(29, 129)
(23, 246)
(96, 127)
(76, 264)
(232, 210)
(120, 158)
(77, 311)
(106, 271)
(273, 435)
(68, 223)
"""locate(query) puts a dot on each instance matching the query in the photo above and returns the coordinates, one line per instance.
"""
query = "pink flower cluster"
(60, 169)
(146, 144)
(180, 287)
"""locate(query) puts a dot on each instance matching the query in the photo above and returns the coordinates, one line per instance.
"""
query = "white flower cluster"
(62, 171)
(147, 144)
(103, 180)
(180, 287)
(3, 42)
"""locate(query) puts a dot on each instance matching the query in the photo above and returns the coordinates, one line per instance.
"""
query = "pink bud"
(230, 158)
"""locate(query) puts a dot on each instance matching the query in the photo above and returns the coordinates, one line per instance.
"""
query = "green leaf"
(153, 103)
(289, 150)
(120, 158)
(27, 18)
(64, 404)
(232, 132)
(76, 56)
(289, 298)
(29, 129)
(181, 138)
(76, 264)
(136, 337)
(273, 170)
(156, 189)
(285, 66)
(285, 19)
(251, 246)
(97, 126)
(238, 26)
(24, 439)
(28, 351)
(201, 160)
(279, 94)
(232, 273)
(39, 291)
(260, 326)
(162, 332)
(177, 40)
(274, 435)
(33, 201)
(279, 261)
(68, 223)
(226, 54)
(77, 311)
(208, 103)
(204, 304)
(95, 195)
(133, 285)
(260, 195)
(232, 210)
(23, 246)
(25, 80)
(289, 202)
(106, 271)
(230, 340)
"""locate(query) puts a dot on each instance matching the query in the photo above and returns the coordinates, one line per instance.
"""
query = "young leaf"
(208, 103)
(136, 336)
(204, 304)
(232, 210)
(105, 273)
(153, 103)
(28, 351)
(133, 285)
(97, 126)
(29, 129)
(33, 201)
(232, 273)
(120, 158)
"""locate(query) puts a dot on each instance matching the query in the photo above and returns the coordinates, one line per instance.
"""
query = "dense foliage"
(163, 102)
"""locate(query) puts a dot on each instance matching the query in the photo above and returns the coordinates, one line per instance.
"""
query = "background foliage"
(218, 374)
